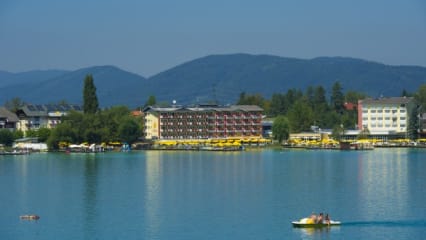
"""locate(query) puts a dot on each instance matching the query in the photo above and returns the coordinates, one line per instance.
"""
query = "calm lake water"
(254, 194)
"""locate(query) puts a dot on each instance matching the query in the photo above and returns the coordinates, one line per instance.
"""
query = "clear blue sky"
(147, 37)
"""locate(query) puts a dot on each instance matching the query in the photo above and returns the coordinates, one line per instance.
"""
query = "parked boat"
(29, 217)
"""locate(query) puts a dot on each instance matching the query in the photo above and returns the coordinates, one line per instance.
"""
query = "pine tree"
(90, 100)
(337, 98)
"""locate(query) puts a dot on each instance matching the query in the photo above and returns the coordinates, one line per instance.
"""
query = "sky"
(150, 36)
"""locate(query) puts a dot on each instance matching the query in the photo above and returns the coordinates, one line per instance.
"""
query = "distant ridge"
(214, 77)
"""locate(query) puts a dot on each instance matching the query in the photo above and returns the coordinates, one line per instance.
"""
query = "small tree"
(280, 128)
(151, 101)
(337, 132)
(364, 134)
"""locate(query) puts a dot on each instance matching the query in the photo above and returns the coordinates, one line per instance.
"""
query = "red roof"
(350, 106)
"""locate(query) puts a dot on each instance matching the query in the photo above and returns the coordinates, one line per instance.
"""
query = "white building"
(385, 116)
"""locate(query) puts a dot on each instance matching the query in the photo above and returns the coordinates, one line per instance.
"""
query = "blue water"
(255, 194)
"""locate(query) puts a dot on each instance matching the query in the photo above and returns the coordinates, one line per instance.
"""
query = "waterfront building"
(385, 117)
(202, 121)
(8, 119)
(33, 117)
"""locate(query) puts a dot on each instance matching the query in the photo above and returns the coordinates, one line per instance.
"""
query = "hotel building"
(385, 116)
(203, 121)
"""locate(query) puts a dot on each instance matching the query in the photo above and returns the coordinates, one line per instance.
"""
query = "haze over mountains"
(215, 77)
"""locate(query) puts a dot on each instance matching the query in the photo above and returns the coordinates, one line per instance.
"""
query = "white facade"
(384, 115)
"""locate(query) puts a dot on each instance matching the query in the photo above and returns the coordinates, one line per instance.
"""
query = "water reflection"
(90, 194)
(383, 186)
(316, 233)
(152, 193)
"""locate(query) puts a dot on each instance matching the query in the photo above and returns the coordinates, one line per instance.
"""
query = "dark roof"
(43, 110)
(391, 100)
(232, 108)
(10, 116)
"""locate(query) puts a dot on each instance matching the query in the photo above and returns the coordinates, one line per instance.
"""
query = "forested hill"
(224, 77)
(215, 77)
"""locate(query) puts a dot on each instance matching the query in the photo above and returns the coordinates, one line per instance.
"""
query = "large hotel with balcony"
(203, 121)
(385, 117)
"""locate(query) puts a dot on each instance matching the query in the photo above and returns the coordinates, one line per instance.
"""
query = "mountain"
(114, 87)
(224, 77)
(7, 78)
(214, 77)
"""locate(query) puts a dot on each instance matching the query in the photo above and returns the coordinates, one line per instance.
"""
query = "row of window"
(385, 111)
(380, 125)
(385, 118)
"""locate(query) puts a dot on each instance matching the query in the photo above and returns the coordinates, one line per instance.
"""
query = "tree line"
(293, 111)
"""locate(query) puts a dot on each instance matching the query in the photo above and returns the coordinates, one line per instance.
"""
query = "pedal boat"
(308, 223)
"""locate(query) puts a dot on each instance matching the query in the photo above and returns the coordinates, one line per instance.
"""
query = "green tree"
(405, 93)
(320, 107)
(364, 133)
(280, 128)
(420, 97)
(310, 92)
(255, 99)
(353, 96)
(43, 134)
(151, 101)
(17, 134)
(301, 116)
(337, 98)
(278, 105)
(6, 137)
(337, 132)
(242, 99)
(90, 100)
(64, 132)
(413, 125)
(129, 130)
(31, 133)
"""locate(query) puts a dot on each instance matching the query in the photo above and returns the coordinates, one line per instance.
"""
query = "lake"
(253, 194)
